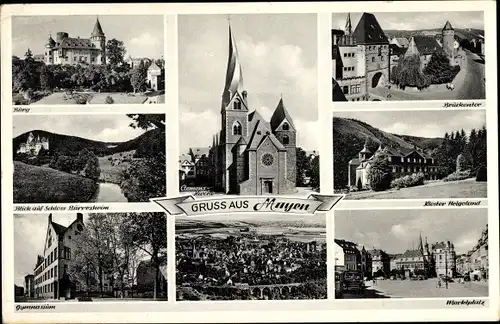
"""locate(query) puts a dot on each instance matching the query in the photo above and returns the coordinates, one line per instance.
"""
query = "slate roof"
(280, 113)
(376, 252)
(411, 254)
(200, 151)
(75, 43)
(368, 31)
(447, 26)
(254, 117)
(347, 245)
(403, 41)
(59, 229)
(337, 93)
(154, 66)
(97, 29)
(396, 50)
(426, 44)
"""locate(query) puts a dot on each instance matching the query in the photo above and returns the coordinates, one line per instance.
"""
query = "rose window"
(267, 159)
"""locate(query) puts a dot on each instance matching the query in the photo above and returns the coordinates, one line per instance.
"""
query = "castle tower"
(448, 34)
(365, 153)
(348, 25)
(234, 110)
(283, 128)
(48, 59)
(98, 39)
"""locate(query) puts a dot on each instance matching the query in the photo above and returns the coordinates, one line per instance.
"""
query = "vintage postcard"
(249, 162)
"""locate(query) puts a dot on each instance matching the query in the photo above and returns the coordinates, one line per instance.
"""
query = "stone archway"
(285, 292)
(256, 292)
(266, 293)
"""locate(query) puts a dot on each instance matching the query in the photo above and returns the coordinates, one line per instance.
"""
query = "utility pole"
(446, 267)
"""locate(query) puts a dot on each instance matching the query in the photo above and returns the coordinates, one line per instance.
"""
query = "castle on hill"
(33, 145)
(72, 51)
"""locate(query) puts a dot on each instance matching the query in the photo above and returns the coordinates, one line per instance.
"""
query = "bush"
(482, 174)
(416, 179)
(455, 176)
(380, 173)
(109, 100)
(80, 100)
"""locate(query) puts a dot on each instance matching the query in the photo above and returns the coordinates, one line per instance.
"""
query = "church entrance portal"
(267, 186)
(378, 79)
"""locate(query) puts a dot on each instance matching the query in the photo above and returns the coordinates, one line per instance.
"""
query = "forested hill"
(350, 135)
(71, 145)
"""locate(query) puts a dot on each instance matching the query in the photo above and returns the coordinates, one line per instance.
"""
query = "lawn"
(58, 98)
(468, 188)
(33, 184)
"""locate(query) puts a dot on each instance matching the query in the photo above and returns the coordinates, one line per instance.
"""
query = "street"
(420, 289)
(473, 88)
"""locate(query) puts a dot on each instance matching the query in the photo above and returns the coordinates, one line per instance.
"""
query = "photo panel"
(418, 154)
(88, 60)
(251, 257)
(88, 158)
(408, 56)
(419, 253)
(102, 257)
(257, 137)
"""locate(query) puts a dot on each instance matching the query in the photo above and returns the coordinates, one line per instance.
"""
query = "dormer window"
(286, 126)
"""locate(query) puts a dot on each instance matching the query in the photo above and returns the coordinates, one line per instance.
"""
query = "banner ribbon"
(190, 206)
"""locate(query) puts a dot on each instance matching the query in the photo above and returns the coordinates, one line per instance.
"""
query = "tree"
(315, 173)
(87, 164)
(115, 51)
(147, 121)
(109, 100)
(408, 73)
(303, 165)
(95, 249)
(147, 232)
(138, 78)
(380, 172)
(144, 179)
(46, 78)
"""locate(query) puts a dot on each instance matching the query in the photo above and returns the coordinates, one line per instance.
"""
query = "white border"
(341, 310)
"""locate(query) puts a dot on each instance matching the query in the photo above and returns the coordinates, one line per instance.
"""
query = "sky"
(143, 36)
(276, 60)
(396, 231)
(29, 238)
(106, 128)
(423, 123)
(415, 20)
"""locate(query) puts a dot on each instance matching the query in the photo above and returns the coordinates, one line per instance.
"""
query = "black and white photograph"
(408, 56)
(410, 154)
(251, 257)
(411, 253)
(88, 158)
(90, 257)
(258, 137)
(74, 59)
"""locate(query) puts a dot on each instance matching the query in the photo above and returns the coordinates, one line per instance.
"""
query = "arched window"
(236, 128)
(286, 126)
(286, 140)
(237, 105)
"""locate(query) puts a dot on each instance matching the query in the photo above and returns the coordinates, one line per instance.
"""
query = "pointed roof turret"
(348, 25)
(420, 244)
(280, 114)
(51, 42)
(234, 76)
(447, 26)
(365, 148)
(97, 29)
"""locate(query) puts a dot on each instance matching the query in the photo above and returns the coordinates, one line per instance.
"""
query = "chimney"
(79, 216)
(50, 218)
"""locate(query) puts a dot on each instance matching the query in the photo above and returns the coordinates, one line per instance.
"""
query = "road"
(420, 289)
(474, 87)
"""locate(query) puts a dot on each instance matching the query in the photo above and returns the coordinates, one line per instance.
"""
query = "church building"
(73, 51)
(251, 156)
(33, 145)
